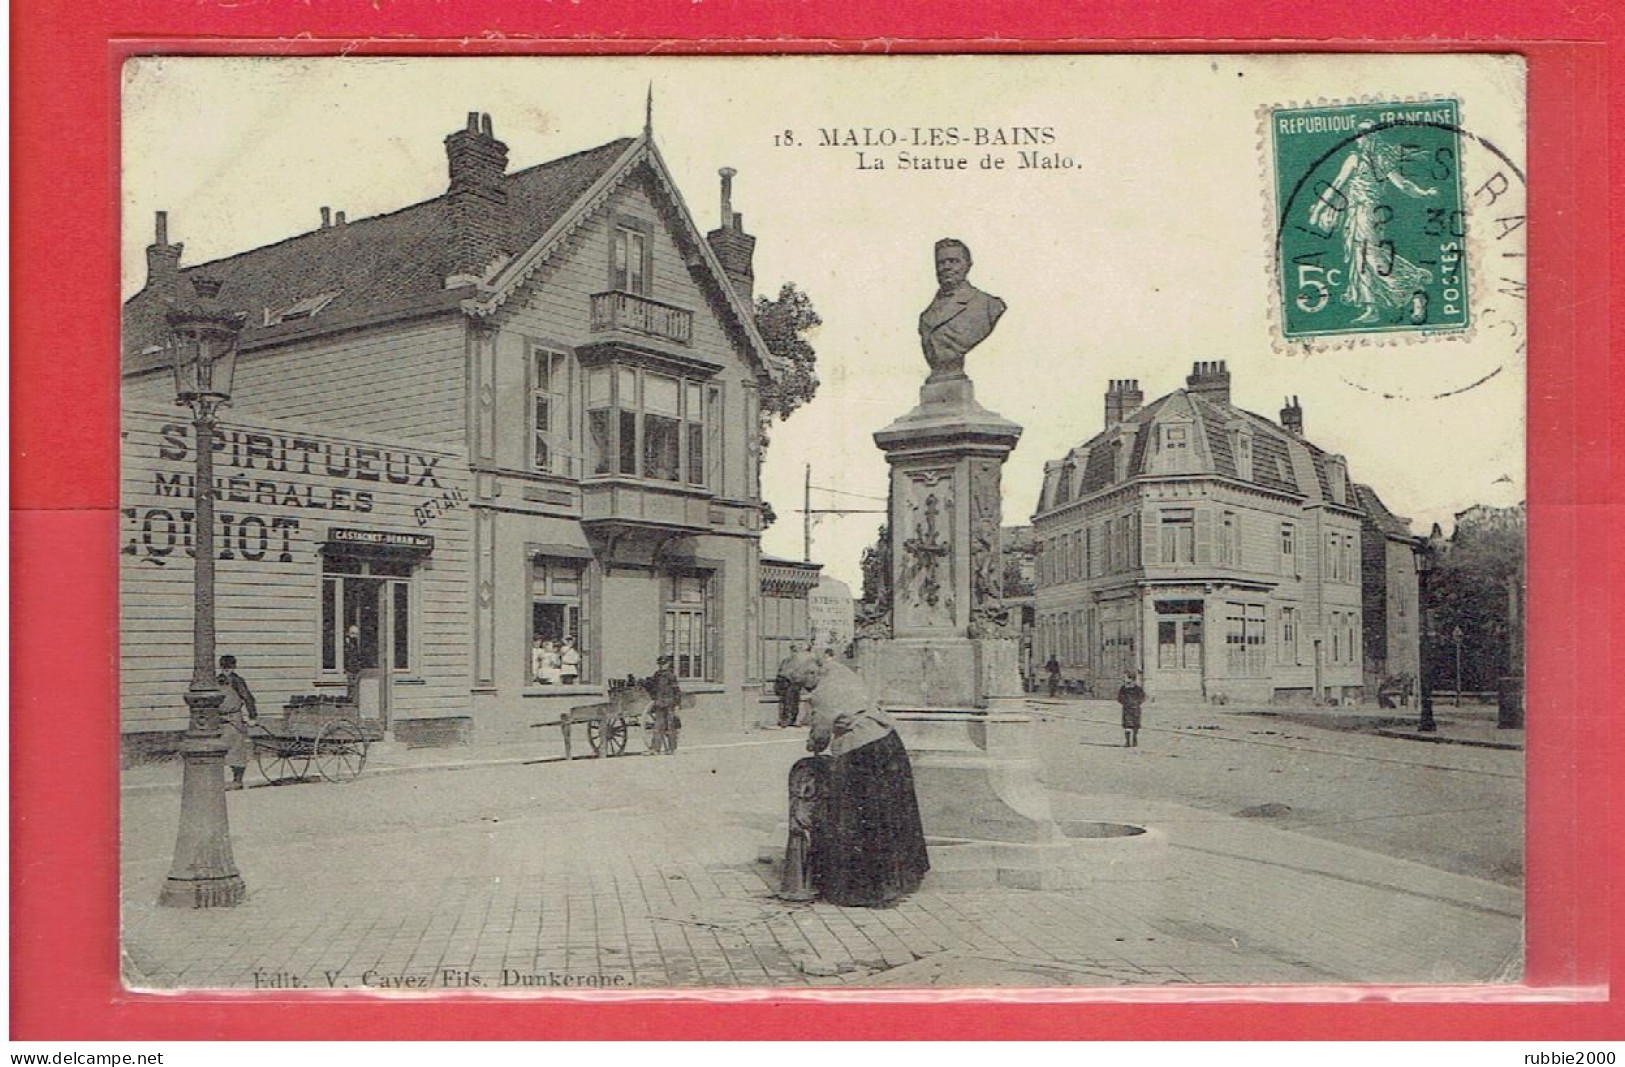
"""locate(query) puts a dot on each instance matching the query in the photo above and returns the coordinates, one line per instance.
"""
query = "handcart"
(326, 732)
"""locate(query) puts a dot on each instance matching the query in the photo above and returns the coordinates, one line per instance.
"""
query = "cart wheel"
(279, 764)
(607, 736)
(341, 752)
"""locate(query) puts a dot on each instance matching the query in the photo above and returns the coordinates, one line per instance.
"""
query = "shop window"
(368, 615)
(1179, 536)
(557, 602)
(630, 258)
(552, 444)
(688, 634)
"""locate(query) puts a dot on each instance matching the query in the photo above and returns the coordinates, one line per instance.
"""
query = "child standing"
(1131, 697)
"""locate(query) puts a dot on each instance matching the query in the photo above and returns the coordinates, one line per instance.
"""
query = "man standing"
(1132, 698)
(1052, 668)
(788, 690)
(236, 712)
(664, 695)
(959, 317)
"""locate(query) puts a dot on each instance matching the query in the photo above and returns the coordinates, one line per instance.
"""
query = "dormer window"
(1241, 447)
(305, 308)
(1337, 479)
(631, 257)
(1176, 439)
(1063, 488)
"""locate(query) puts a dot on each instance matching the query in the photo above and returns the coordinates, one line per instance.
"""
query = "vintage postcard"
(595, 526)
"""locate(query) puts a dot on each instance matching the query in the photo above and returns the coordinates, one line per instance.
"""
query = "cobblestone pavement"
(642, 873)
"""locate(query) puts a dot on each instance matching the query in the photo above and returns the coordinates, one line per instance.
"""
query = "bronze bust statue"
(959, 317)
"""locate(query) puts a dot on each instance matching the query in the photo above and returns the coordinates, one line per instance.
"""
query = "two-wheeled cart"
(322, 732)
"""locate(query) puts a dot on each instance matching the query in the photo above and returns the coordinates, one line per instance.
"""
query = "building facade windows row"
(1109, 547)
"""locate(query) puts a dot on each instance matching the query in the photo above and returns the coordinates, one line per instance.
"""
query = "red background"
(64, 728)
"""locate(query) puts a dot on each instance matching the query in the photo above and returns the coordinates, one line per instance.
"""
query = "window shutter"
(1148, 540)
(1204, 535)
(712, 673)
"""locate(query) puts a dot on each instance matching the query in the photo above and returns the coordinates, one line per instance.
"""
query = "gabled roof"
(401, 260)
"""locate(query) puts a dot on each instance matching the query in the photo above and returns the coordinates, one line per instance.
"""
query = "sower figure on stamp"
(236, 712)
(959, 317)
(1132, 698)
(1378, 279)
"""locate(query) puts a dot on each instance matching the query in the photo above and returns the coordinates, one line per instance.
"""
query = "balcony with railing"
(631, 313)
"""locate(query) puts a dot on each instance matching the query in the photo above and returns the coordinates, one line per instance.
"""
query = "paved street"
(1327, 774)
(441, 869)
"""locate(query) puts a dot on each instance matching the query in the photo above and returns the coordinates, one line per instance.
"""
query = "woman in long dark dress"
(873, 852)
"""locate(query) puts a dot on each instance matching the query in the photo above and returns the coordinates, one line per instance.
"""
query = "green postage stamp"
(1370, 229)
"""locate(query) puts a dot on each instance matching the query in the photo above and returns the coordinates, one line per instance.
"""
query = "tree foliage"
(783, 324)
(1469, 592)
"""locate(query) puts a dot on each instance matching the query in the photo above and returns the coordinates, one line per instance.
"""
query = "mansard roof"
(1283, 461)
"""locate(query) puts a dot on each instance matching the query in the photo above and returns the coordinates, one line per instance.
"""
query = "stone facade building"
(523, 411)
(1222, 555)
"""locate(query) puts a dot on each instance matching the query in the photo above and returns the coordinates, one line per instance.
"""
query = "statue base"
(941, 672)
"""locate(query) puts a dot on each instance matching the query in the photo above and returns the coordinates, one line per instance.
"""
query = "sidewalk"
(640, 873)
(1472, 725)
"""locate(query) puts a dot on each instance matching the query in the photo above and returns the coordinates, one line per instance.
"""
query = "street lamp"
(203, 353)
(1424, 570)
(1455, 635)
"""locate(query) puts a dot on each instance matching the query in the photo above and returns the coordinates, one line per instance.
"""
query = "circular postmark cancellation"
(1393, 223)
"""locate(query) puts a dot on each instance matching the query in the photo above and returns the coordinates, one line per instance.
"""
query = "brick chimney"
(1123, 398)
(1292, 416)
(734, 248)
(163, 258)
(477, 162)
(1211, 380)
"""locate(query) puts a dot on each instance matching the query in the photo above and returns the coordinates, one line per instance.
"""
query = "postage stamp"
(1371, 229)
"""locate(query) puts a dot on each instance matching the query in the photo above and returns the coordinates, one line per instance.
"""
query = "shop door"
(377, 647)
(1179, 648)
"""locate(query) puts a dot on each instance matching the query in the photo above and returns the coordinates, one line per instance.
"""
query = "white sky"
(1151, 253)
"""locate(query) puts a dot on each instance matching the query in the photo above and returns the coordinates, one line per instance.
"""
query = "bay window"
(649, 424)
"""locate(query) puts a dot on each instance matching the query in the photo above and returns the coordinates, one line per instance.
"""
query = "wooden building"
(1218, 553)
(521, 412)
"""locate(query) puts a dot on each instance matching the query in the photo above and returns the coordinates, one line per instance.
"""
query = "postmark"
(1371, 219)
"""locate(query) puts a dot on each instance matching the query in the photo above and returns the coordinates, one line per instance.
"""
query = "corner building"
(1222, 555)
(524, 410)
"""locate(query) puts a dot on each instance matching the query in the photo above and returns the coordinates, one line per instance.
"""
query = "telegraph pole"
(808, 511)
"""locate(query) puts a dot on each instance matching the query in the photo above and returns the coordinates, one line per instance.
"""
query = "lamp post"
(1424, 571)
(203, 353)
(1455, 635)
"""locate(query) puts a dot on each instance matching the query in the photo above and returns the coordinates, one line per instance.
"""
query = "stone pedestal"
(950, 674)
